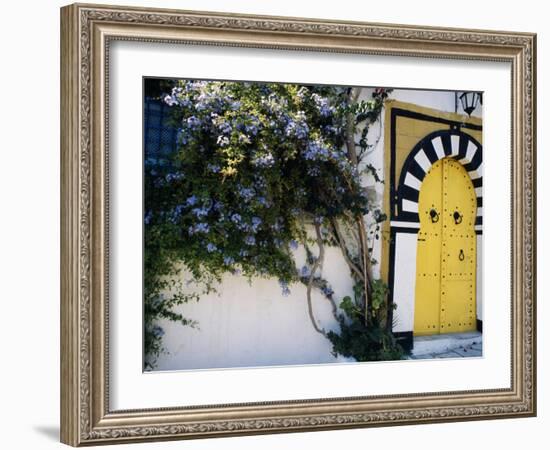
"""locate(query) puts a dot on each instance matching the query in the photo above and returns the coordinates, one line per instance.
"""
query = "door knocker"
(461, 255)
(434, 215)
(457, 217)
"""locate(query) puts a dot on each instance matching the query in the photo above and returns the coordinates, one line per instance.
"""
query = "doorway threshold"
(452, 345)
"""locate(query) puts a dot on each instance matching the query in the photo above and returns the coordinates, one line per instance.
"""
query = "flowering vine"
(260, 169)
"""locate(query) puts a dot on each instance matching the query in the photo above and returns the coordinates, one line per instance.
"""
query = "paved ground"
(463, 351)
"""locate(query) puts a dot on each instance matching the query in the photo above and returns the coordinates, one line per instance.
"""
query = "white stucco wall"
(405, 277)
(253, 325)
(444, 101)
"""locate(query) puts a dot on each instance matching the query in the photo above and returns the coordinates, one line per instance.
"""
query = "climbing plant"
(260, 169)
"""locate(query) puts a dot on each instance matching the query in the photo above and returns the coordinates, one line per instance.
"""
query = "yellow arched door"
(445, 290)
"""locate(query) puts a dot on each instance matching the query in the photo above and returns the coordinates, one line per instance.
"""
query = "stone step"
(440, 343)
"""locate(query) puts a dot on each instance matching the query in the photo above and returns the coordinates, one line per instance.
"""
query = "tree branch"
(314, 268)
(353, 97)
(365, 253)
(341, 243)
(320, 260)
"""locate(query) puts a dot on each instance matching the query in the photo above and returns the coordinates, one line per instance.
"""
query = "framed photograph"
(281, 224)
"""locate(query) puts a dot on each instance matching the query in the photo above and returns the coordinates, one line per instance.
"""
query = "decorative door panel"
(428, 285)
(446, 251)
(457, 312)
(428, 262)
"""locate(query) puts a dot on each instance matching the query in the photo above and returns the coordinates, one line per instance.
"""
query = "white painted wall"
(405, 281)
(254, 325)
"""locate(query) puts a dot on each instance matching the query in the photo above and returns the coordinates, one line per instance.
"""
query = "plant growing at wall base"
(362, 338)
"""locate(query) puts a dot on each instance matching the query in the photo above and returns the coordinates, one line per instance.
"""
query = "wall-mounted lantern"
(469, 101)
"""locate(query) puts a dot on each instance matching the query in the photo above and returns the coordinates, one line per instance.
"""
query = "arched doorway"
(413, 147)
(445, 289)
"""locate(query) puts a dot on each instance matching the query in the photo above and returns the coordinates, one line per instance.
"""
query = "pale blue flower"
(157, 331)
(191, 200)
(175, 215)
(313, 171)
(256, 222)
(260, 182)
(284, 287)
(183, 136)
(157, 301)
(323, 105)
(264, 161)
(327, 290)
(316, 151)
(193, 122)
(148, 217)
(170, 100)
(173, 177)
(302, 93)
(297, 129)
(225, 128)
(202, 227)
(331, 129)
(277, 226)
(199, 228)
(223, 141)
(200, 212)
(246, 193)
(251, 129)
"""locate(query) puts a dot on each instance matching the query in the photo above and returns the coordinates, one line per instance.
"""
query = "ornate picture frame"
(87, 32)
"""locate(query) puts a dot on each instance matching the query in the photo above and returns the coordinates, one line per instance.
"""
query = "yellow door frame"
(407, 128)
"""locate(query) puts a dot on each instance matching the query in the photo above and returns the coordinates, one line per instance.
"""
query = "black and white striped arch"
(435, 146)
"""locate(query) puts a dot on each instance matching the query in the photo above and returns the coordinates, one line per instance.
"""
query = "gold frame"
(86, 31)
